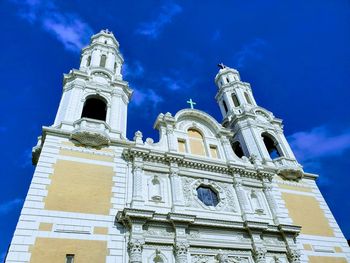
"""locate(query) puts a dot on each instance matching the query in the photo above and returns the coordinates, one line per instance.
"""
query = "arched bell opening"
(271, 146)
(95, 108)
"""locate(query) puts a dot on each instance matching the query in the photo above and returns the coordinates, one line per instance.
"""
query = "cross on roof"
(221, 65)
(192, 103)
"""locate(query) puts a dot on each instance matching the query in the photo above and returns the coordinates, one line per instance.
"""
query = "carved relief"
(135, 248)
(180, 250)
(155, 188)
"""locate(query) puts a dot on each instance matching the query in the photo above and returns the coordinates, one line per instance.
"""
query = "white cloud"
(153, 28)
(68, 28)
(320, 142)
(177, 83)
(251, 50)
(133, 70)
(148, 96)
(10, 205)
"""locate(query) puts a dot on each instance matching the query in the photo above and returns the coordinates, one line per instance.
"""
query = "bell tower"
(93, 107)
(258, 134)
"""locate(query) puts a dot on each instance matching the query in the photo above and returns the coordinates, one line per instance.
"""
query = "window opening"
(94, 108)
(225, 106)
(271, 147)
(207, 195)
(237, 148)
(214, 151)
(70, 258)
(196, 142)
(182, 145)
(103, 61)
(235, 100)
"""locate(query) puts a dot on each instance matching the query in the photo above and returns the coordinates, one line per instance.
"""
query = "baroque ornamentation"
(294, 256)
(260, 254)
(135, 248)
(181, 249)
(187, 182)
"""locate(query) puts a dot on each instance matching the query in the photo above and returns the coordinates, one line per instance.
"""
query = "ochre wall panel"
(306, 212)
(315, 259)
(100, 230)
(45, 227)
(80, 187)
(295, 188)
(54, 250)
(85, 155)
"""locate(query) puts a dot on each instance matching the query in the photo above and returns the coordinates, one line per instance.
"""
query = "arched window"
(271, 146)
(236, 146)
(235, 100)
(88, 61)
(95, 108)
(103, 61)
(228, 80)
(225, 106)
(196, 142)
(115, 66)
(247, 98)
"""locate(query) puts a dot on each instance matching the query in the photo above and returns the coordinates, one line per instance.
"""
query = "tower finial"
(221, 65)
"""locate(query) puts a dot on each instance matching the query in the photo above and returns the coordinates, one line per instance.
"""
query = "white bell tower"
(94, 102)
(258, 135)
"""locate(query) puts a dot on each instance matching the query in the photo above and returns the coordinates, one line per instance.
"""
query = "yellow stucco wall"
(54, 250)
(295, 188)
(80, 187)
(100, 230)
(306, 212)
(316, 259)
(90, 156)
(45, 227)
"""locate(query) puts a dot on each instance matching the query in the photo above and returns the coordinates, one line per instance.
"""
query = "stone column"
(110, 61)
(181, 251)
(267, 189)
(260, 254)
(222, 258)
(171, 138)
(114, 117)
(135, 247)
(95, 58)
(242, 198)
(294, 255)
(137, 197)
(176, 187)
(227, 148)
(259, 250)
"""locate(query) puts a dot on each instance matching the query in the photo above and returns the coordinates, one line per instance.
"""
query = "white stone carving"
(91, 132)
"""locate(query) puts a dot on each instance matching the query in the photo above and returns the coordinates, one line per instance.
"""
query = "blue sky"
(295, 54)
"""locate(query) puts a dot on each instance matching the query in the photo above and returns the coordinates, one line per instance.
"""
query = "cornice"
(129, 215)
(198, 163)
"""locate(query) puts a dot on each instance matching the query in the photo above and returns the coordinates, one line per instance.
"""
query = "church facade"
(206, 192)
